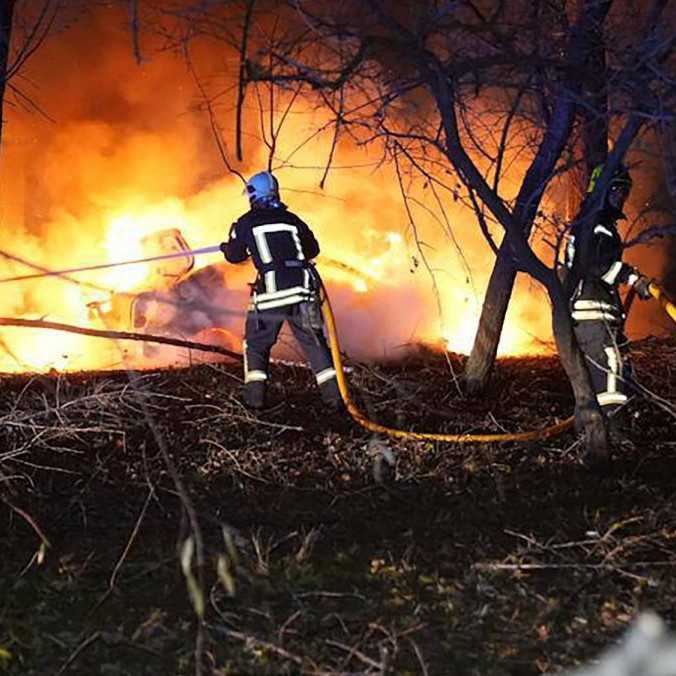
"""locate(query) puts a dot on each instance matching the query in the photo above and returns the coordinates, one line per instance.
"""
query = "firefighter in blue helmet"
(597, 309)
(282, 247)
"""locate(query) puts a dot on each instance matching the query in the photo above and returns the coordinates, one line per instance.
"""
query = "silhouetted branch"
(654, 232)
(134, 30)
(118, 335)
(212, 122)
(241, 85)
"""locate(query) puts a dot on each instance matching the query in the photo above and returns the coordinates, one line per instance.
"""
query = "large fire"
(384, 301)
(126, 160)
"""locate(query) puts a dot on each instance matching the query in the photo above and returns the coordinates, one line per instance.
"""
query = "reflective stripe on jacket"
(596, 296)
(281, 246)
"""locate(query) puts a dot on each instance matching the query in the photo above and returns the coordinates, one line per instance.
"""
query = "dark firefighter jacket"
(281, 246)
(596, 296)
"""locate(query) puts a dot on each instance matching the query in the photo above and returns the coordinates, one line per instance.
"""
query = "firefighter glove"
(222, 246)
(642, 287)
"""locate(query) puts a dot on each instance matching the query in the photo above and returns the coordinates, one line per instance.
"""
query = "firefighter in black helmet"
(281, 246)
(597, 308)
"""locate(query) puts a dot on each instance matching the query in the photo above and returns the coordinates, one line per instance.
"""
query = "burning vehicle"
(175, 299)
(208, 304)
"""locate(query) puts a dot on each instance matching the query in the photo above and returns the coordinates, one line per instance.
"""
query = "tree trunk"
(481, 359)
(588, 417)
(6, 13)
(588, 53)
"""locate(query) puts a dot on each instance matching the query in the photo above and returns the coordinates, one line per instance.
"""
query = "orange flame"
(118, 169)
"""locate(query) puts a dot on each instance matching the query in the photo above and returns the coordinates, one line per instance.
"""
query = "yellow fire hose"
(532, 435)
(667, 305)
(360, 418)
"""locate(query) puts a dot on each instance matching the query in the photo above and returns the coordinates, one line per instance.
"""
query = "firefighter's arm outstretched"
(235, 249)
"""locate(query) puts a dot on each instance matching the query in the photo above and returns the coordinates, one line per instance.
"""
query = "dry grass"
(153, 520)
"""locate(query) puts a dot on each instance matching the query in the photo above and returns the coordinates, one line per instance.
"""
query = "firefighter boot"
(330, 395)
(618, 425)
(253, 394)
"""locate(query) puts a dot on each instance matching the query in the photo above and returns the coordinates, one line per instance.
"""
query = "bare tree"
(459, 94)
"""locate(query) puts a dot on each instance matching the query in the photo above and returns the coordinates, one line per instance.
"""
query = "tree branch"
(118, 335)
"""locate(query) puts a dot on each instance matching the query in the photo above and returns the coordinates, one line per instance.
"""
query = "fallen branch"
(253, 642)
(353, 651)
(118, 335)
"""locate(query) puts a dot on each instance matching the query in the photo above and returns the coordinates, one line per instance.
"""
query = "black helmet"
(620, 176)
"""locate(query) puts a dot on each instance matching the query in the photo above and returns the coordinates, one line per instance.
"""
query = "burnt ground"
(325, 549)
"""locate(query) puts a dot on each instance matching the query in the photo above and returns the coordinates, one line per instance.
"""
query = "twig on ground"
(125, 551)
(354, 651)
(78, 651)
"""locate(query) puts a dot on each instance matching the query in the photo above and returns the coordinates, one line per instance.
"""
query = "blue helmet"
(262, 189)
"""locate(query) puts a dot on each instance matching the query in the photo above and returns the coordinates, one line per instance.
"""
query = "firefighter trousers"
(605, 347)
(260, 334)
